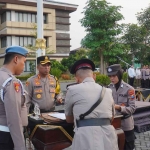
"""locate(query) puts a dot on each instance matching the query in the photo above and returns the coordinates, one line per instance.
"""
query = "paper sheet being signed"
(58, 115)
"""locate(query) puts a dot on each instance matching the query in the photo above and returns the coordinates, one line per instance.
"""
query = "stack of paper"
(58, 115)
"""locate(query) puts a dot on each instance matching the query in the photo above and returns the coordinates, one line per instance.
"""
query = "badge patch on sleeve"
(131, 94)
(27, 83)
(17, 87)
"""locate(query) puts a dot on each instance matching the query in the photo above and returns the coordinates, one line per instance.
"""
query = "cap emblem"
(109, 70)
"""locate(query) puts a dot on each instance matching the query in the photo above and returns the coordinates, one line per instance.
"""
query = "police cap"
(43, 60)
(17, 50)
(113, 69)
(82, 64)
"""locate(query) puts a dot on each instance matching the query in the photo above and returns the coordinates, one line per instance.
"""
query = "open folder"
(58, 115)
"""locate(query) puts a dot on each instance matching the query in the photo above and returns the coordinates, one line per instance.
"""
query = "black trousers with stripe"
(6, 142)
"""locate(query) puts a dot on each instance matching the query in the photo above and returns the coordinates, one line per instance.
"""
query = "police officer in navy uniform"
(43, 88)
(13, 112)
(94, 131)
(124, 97)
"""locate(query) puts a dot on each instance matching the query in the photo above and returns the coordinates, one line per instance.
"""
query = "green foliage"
(101, 24)
(125, 76)
(68, 62)
(102, 80)
(134, 37)
(32, 67)
(24, 77)
(58, 65)
(56, 72)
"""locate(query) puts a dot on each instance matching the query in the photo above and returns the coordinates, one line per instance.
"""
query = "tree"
(68, 62)
(143, 18)
(133, 38)
(101, 24)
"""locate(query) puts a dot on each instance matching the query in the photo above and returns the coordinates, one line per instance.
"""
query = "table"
(52, 137)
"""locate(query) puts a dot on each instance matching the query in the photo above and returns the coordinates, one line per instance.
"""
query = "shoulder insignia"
(17, 86)
(131, 94)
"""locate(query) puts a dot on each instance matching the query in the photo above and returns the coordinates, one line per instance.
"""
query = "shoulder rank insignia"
(131, 94)
(17, 87)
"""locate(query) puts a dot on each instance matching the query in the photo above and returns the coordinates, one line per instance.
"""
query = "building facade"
(18, 27)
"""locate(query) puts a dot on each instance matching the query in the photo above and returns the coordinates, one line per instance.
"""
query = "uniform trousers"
(129, 140)
(6, 142)
(142, 83)
(131, 81)
(146, 83)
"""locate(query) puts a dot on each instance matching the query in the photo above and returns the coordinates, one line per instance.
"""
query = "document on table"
(58, 115)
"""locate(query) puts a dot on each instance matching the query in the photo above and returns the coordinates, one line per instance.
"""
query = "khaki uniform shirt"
(41, 91)
(10, 108)
(125, 97)
(79, 99)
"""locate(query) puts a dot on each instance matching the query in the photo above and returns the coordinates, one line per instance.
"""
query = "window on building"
(9, 40)
(45, 18)
(25, 17)
(20, 17)
(29, 17)
(25, 41)
(6, 41)
(16, 16)
(33, 18)
(17, 40)
(3, 41)
(3, 17)
(28, 65)
(8, 16)
(21, 43)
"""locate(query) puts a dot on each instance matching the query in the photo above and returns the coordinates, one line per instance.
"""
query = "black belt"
(125, 117)
(93, 122)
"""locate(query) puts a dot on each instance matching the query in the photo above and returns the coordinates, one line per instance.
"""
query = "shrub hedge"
(104, 79)
(24, 77)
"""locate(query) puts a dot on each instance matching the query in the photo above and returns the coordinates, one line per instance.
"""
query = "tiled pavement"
(142, 141)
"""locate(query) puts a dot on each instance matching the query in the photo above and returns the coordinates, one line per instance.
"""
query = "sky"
(129, 9)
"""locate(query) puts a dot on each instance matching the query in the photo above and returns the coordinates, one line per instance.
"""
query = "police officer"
(146, 75)
(43, 88)
(142, 78)
(13, 112)
(93, 129)
(124, 97)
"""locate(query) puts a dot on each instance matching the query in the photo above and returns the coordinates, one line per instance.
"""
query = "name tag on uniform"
(123, 95)
(37, 86)
(38, 91)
